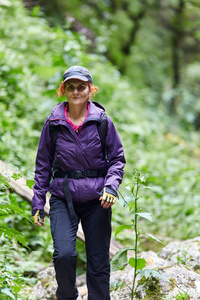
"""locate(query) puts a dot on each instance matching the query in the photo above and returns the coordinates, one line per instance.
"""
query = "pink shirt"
(77, 128)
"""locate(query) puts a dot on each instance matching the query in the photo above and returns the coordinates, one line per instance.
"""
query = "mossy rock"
(153, 288)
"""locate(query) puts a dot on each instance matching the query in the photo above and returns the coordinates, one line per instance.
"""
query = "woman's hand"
(38, 215)
(108, 198)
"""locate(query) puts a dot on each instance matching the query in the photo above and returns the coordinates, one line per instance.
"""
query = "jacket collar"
(96, 112)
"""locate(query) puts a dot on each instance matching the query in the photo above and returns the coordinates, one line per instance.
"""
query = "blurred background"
(144, 56)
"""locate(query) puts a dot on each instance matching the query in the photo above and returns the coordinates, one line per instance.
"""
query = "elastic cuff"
(41, 212)
(111, 191)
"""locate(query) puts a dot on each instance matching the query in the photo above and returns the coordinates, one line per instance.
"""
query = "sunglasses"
(79, 88)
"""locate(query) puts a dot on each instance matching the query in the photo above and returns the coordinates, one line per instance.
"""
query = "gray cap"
(77, 72)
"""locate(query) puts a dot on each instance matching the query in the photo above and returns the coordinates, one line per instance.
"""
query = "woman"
(84, 185)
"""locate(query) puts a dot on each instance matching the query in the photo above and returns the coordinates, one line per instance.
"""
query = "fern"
(8, 209)
(4, 183)
(11, 233)
(9, 206)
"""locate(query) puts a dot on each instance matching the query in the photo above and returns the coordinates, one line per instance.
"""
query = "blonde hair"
(61, 90)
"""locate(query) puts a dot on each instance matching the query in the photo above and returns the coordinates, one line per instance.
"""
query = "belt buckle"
(79, 174)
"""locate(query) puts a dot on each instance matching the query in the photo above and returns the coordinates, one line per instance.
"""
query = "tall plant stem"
(136, 238)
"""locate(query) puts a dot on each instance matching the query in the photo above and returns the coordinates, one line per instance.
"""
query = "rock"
(184, 280)
(184, 252)
(46, 286)
(181, 279)
(178, 262)
(153, 260)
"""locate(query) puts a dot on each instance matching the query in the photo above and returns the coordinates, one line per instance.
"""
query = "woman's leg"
(65, 256)
(96, 223)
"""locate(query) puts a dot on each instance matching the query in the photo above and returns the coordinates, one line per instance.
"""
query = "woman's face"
(77, 91)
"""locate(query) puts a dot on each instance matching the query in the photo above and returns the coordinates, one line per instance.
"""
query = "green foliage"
(34, 55)
(119, 260)
(115, 285)
(153, 273)
(12, 234)
(11, 283)
(184, 257)
(182, 296)
(159, 47)
(156, 144)
(8, 206)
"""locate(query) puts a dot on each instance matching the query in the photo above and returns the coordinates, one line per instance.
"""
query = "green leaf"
(16, 176)
(116, 285)
(7, 292)
(119, 260)
(141, 263)
(131, 205)
(145, 215)
(128, 187)
(13, 199)
(13, 209)
(16, 288)
(122, 227)
(146, 187)
(153, 237)
(147, 273)
(142, 179)
(30, 183)
(4, 181)
(11, 233)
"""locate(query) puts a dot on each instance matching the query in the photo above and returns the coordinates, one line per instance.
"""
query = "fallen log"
(19, 187)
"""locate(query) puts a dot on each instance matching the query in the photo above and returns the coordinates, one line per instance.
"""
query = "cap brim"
(82, 78)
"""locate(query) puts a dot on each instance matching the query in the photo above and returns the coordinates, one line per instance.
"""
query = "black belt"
(76, 174)
(79, 174)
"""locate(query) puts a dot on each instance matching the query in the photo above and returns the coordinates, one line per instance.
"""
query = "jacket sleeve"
(116, 157)
(42, 168)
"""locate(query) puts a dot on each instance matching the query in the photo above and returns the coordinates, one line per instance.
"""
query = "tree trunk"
(177, 35)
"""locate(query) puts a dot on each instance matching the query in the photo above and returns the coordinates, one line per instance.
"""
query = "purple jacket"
(72, 152)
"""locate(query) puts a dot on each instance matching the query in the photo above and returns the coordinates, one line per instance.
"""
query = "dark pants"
(96, 224)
